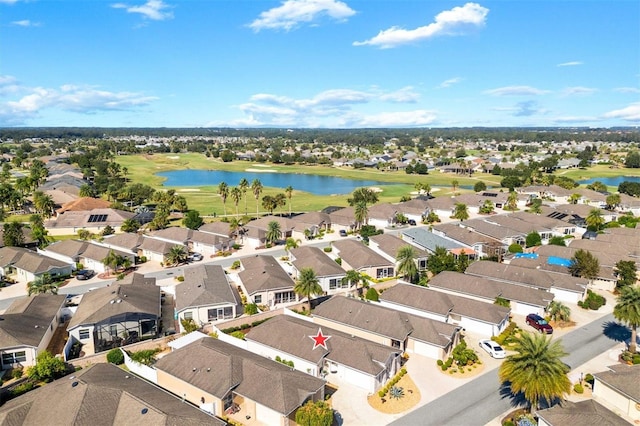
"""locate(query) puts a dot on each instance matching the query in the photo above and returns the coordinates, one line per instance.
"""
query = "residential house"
(355, 255)
(429, 242)
(383, 215)
(584, 413)
(617, 389)
(26, 328)
(523, 300)
(472, 315)
(113, 316)
(157, 250)
(71, 221)
(214, 375)
(83, 204)
(102, 394)
(482, 245)
(92, 257)
(257, 230)
(265, 282)
(128, 242)
(388, 246)
(330, 275)
(222, 229)
(67, 251)
(206, 296)
(29, 265)
(347, 359)
(389, 327)
(312, 223)
(343, 218)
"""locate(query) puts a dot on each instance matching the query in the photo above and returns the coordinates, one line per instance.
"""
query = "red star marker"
(320, 339)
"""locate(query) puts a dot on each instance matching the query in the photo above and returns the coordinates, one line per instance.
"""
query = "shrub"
(578, 388)
(381, 393)
(120, 276)
(593, 301)
(339, 260)
(515, 248)
(16, 373)
(236, 246)
(589, 378)
(403, 371)
(327, 249)
(508, 423)
(22, 388)
(372, 294)
(145, 356)
(180, 278)
(115, 356)
(251, 309)
(238, 335)
(235, 264)
(636, 359)
(314, 413)
(443, 367)
(440, 363)
(47, 368)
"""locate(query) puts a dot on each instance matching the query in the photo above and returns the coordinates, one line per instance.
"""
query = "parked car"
(412, 222)
(194, 257)
(539, 323)
(343, 233)
(84, 274)
(493, 349)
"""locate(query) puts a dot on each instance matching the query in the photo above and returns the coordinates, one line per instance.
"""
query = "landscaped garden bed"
(394, 402)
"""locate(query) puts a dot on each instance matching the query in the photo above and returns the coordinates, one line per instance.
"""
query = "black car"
(343, 233)
(84, 274)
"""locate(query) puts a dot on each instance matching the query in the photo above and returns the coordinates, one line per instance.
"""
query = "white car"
(494, 349)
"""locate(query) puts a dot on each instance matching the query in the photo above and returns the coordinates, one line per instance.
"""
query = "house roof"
(134, 294)
(314, 258)
(291, 335)
(89, 218)
(157, 246)
(263, 223)
(128, 241)
(359, 256)
(343, 216)
(175, 234)
(102, 394)
(98, 252)
(384, 211)
(462, 235)
(428, 240)
(489, 289)
(27, 320)
(312, 219)
(583, 413)
(38, 264)
(428, 300)
(217, 367)
(384, 321)
(526, 276)
(207, 238)
(10, 255)
(204, 285)
(84, 204)
(623, 379)
(263, 273)
(217, 228)
(390, 244)
(69, 248)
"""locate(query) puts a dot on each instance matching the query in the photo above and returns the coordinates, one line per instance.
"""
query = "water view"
(611, 181)
(319, 185)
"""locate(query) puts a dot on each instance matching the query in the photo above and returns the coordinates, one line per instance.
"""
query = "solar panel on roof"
(97, 218)
(489, 194)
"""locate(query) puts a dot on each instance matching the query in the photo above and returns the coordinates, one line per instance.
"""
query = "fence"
(102, 356)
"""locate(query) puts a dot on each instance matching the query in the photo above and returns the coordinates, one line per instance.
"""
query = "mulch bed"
(394, 406)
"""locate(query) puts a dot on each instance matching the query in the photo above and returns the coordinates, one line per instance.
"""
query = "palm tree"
(454, 184)
(361, 214)
(536, 370)
(236, 196)
(291, 243)
(280, 199)
(289, 191)
(223, 190)
(558, 311)
(406, 261)
(244, 187)
(594, 219)
(307, 284)
(627, 309)
(256, 188)
(461, 212)
(273, 232)
(574, 198)
(112, 261)
(512, 201)
(42, 284)
(353, 277)
(177, 255)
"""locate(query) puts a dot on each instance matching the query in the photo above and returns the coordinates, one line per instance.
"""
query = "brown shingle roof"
(359, 256)
(624, 379)
(390, 244)
(69, 248)
(204, 285)
(27, 319)
(127, 241)
(314, 258)
(84, 204)
(583, 413)
(262, 273)
(37, 264)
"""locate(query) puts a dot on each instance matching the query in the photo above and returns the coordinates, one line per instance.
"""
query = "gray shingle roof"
(37, 264)
(157, 246)
(27, 320)
(291, 335)
(103, 394)
(204, 285)
(428, 240)
(127, 240)
(624, 379)
(314, 258)
(390, 244)
(262, 273)
(463, 235)
(217, 367)
(583, 413)
(174, 234)
(134, 294)
(359, 256)
(69, 248)
(217, 228)
(384, 321)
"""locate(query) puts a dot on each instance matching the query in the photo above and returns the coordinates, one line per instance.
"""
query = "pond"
(314, 184)
(611, 181)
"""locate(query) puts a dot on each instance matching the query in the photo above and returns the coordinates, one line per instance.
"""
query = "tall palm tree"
(177, 255)
(291, 243)
(558, 311)
(307, 284)
(256, 188)
(361, 214)
(406, 261)
(594, 219)
(461, 212)
(236, 196)
(353, 278)
(244, 187)
(454, 184)
(289, 191)
(512, 201)
(41, 285)
(223, 190)
(111, 261)
(280, 200)
(628, 310)
(536, 369)
(273, 232)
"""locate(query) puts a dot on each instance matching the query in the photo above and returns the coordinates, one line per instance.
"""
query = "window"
(188, 315)
(285, 297)
(384, 272)
(335, 283)
(84, 334)
(113, 330)
(14, 357)
(422, 264)
(257, 298)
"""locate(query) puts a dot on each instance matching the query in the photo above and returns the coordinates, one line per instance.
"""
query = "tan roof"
(134, 294)
(128, 241)
(205, 285)
(102, 394)
(217, 367)
(27, 320)
(462, 235)
(390, 244)
(97, 252)
(263, 223)
(343, 217)
(10, 255)
(263, 273)
(314, 258)
(84, 204)
(583, 413)
(174, 234)
(218, 228)
(86, 218)
(156, 246)
(359, 256)
(312, 218)
(624, 379)
(37, 263)
(69, 248)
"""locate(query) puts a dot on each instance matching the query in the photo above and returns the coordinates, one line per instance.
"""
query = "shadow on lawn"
(616, 331)
(519, 401)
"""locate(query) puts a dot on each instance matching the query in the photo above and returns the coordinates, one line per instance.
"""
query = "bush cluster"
(502, 338)
(284, 361)
(593, 301)
(244, 326)
(327, 249)
(251, 309)
(577, 388)
(392, 382)
(115, 356)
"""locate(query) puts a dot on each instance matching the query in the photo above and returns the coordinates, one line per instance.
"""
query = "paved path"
(479, 401)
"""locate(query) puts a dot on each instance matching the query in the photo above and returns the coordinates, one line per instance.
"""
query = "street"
(480, 401)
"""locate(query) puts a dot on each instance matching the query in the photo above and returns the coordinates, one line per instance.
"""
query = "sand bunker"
(174, 157)
(260, 170)
(189, 189)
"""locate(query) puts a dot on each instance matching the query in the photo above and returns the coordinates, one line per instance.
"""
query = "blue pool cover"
(526, 255)
(560, 261)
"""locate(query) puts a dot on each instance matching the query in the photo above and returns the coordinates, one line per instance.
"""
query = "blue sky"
(319, 63)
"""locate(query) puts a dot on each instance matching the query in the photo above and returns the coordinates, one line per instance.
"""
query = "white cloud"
(450, 82)
(155, 10)
(630, 113)
(577, 119)
(25, 23)
(626, 90)
(415, 118)
(523, 109)
(293, 13)
(578, 91)
(449, 22)
(9, 1)
(516, 91)
(570, 64)
(406, 95)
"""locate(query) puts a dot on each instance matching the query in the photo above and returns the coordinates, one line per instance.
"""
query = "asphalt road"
(480, 400)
